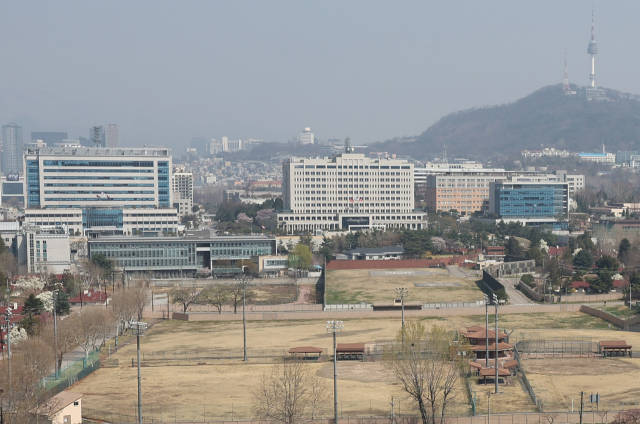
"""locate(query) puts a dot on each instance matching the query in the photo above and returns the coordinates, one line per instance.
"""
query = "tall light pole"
(486, 313)
(243, 281)
(335, 327)
(402, 291)
(140, 328)
(495, 301)
(54, 295)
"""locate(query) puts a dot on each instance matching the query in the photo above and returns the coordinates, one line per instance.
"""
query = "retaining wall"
(624, 323)
(532, 294)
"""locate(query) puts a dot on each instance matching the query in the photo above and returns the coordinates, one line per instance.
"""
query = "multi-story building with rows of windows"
(116, 191)
(348, 191)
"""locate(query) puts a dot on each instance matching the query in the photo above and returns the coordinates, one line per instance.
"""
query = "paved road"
(516, 297)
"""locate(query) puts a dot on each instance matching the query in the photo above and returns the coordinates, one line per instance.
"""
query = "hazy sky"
(168, 71)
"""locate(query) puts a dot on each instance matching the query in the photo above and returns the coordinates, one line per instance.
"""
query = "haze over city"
(166, 72)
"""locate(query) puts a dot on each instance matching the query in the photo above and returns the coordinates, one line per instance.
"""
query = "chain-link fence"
(556, 347)
(72, 373)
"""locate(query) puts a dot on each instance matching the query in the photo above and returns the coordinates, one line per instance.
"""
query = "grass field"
(224, 391)
(557, 381)
(355, 286)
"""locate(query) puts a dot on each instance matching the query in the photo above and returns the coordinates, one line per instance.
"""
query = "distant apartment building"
(182, 188)
(12, 145)
(348, 191)
(112, 136)
(48, 137)
(466, 188)
(100, 190)
(306, 137)
(231, 145)
(547, 151)
(597, 157)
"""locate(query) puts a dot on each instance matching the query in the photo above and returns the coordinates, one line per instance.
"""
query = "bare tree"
(184, 295)
(127, 305)
(88, 327)
(216, 296)
(423, 368)
(550, 417)
(235, 292)
(290, 393)
(66, 338)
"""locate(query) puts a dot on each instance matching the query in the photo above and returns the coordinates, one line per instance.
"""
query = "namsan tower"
(592, 92)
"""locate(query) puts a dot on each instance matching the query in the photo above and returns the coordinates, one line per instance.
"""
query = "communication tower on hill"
(565, 87)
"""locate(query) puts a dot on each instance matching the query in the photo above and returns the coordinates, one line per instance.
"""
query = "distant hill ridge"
(546, 117)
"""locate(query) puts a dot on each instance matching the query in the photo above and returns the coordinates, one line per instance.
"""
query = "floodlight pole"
(401, 291)
(140, 328)
(55, 332)
(486, 313)
(244, 281)
(495, 300)
(335, 327)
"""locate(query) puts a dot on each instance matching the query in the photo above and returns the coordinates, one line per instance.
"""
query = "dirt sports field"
(217, 390)
(433, 285)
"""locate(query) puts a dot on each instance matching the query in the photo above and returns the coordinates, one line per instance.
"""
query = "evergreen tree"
(583, 259)
(33, 305)
(63, 307)
(623, 249)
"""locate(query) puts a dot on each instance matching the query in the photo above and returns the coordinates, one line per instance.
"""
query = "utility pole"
(243, 281)
(335, 327)
(495, 300)
(489, 407)
(393, 418)
(401, 291)
(581, 405)
(7, 316)
(140, 329)
(486, 310)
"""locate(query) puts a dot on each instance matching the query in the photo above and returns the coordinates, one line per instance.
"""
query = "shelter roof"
(510, 364)
(350, 347)
(614, 344)
(492, 347)
(306, 349)
(489, 372)
(482, 334)
(475, 365)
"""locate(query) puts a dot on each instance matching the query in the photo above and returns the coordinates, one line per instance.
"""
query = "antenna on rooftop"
(97, 139)
(347, 145)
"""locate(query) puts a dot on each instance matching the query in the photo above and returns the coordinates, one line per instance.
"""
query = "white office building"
(115, 191)
(349, 191)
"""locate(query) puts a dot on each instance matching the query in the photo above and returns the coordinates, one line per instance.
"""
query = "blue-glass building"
(107, 184)
(534, 202)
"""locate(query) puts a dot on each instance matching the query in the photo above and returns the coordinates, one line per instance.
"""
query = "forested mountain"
(546, 118)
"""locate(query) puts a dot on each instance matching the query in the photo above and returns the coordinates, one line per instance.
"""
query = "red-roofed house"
(556, 251)
(619, 285)
(580, 286)
(90, 297)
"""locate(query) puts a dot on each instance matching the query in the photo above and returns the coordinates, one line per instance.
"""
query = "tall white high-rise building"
(349, 191)
(112, 136)
(182, 188)
(306, 136)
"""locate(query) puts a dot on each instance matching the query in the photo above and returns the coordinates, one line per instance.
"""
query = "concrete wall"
(401, 263)
(532, 294)
(511, 268)
(206, 282)
(355, 314)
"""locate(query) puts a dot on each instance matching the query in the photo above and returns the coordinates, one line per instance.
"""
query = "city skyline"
(368, 70)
